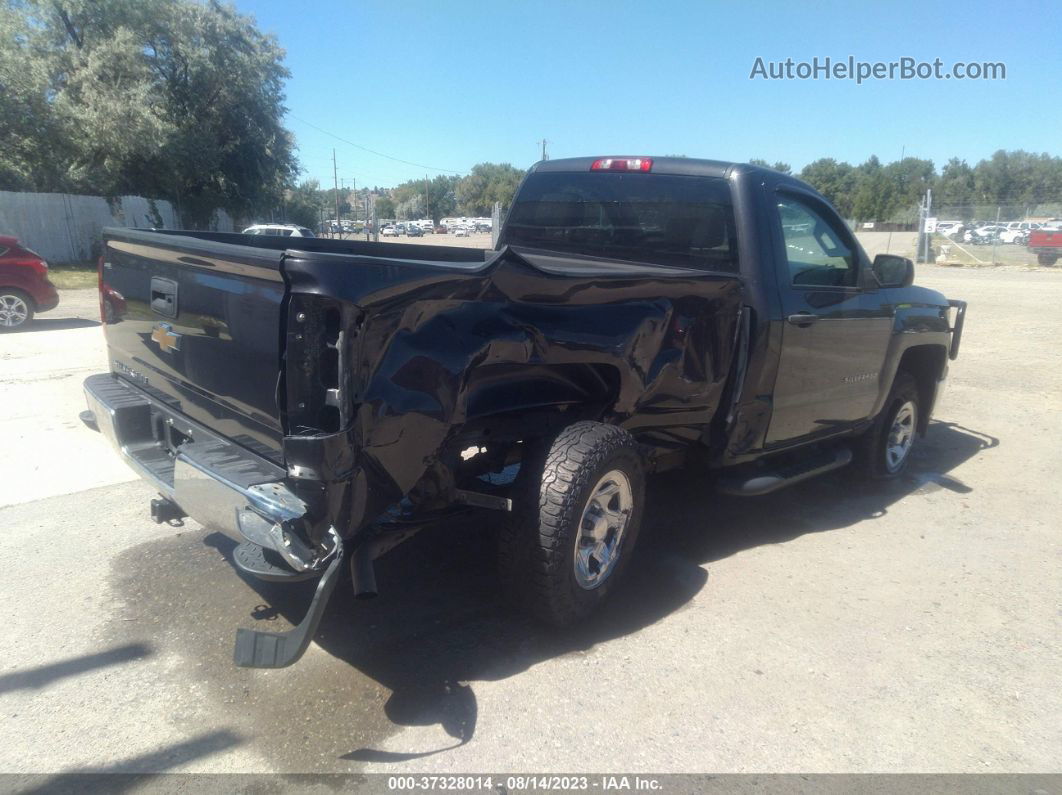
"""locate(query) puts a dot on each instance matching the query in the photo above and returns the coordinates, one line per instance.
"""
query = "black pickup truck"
(321, 400)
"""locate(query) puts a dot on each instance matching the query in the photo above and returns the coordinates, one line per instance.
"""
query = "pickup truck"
(321, 400)
(1046, 244)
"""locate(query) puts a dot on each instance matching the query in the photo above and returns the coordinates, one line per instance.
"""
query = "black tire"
(537, 546)
(9, 298)
(1047, 259)
(873, 457)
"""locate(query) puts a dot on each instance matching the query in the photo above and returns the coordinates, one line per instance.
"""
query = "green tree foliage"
(173, 99)
(836, 181)
(385, 207)
(410, 198)
(486, 184)
(955, 188)
(303, 204)
(1014, 183)
(785, 168)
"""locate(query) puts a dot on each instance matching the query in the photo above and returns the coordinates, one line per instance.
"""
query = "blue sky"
(450, 84)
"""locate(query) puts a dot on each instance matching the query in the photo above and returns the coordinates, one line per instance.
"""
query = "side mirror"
(893, 271)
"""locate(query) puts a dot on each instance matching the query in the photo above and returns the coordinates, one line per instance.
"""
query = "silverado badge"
(166, 338)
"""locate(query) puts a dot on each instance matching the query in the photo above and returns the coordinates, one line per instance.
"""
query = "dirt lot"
(832, 627)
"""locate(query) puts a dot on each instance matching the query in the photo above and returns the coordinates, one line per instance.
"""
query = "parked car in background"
(280, 230)
(389, 231)
(983, 235)
(414, 231)
(1023, 226)
(440, 229)
(461, 231)
(24, 286)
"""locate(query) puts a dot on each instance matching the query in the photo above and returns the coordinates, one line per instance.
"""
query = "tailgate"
(1046, 238)
(198, 324)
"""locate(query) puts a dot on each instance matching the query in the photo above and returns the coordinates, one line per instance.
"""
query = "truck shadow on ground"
(830, 502)
(439, 622)
(55, 324)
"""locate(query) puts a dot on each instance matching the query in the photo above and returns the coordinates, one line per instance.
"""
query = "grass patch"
(73, 277)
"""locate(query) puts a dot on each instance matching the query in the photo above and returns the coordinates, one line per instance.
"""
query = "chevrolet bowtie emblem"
(166, 338)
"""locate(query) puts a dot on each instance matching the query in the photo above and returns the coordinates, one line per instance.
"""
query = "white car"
(1022, 226)
(461, 231)
(389, 231)
(278, 230)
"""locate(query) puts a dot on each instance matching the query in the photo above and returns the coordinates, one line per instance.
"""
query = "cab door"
(836, 324)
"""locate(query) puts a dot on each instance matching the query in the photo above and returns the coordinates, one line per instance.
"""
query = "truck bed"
(371, 363)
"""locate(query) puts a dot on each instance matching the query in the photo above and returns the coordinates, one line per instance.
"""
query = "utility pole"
(995, 237)
(929, 212)
(335, 182)
(544, 155)
(427, 201)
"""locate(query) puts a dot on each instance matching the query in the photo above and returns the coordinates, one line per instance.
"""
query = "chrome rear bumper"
(215, 481)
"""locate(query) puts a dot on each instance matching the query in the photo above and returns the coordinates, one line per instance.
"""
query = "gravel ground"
(834, 627)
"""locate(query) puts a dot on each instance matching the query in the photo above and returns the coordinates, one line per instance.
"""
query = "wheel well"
(20, 292)
(925, 363)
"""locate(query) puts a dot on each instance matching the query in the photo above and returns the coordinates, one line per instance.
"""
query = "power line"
(373, 151)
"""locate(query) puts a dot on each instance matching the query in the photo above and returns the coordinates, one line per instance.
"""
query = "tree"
(410, 197)
(910, 178)
(835, 181)
(34, 146)
(486, 184)
(784, 168)
(304, 203)
(955, 190)
(385, 207)
(168, 98)
(874, 192)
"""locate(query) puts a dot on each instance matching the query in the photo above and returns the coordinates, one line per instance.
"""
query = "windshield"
(660, 219)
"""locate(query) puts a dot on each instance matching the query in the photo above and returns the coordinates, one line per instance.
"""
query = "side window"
(817, 254)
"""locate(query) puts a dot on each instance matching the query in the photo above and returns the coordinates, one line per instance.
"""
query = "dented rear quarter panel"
(441, 347)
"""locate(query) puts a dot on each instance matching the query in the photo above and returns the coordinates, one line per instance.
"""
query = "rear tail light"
(317, 356)
(622, 164)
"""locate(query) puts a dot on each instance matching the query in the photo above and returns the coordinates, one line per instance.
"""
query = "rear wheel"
(16, 309)
(885, 450)
(574, 523)
(1047, 259)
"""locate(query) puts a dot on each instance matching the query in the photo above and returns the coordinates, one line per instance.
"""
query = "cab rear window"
(651, 218)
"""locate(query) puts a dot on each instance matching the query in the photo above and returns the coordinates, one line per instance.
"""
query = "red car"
(24, 286)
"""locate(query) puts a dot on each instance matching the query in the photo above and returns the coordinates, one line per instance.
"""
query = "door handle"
(802, 319)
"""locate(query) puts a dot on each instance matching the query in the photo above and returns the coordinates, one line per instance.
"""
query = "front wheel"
(1047, 259)
(574, 524)
(885, 449)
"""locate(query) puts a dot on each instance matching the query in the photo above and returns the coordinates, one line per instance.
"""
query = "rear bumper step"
(254, 560)
(203, 475)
